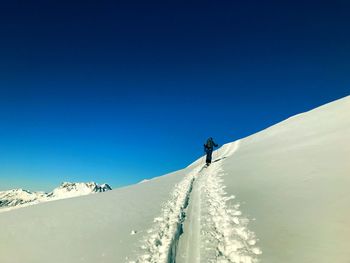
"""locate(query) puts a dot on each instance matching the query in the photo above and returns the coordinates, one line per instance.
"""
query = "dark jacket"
(209, 146)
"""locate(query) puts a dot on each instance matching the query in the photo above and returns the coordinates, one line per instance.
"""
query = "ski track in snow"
(226, 230)
(160, 243)
(224, 234)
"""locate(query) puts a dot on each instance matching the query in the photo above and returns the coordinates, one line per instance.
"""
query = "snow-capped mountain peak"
(68, 189)
(16, 198)
(19, 196)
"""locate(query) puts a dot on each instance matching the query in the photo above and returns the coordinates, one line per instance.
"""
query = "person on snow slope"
(208, 149)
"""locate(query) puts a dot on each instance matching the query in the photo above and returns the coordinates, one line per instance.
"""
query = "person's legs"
(209, 153)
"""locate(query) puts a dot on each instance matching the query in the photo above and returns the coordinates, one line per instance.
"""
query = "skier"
(208, 149)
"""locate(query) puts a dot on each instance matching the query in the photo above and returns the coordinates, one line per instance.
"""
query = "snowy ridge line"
(227, 228)
(160, 244)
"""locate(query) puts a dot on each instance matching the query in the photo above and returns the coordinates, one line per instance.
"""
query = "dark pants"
(209, 153)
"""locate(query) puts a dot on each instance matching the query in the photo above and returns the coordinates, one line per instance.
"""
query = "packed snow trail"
(224, 229)
(190, 242)
(199, 223)
(160, 243)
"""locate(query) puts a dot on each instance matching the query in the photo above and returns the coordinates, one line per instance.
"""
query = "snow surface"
(294, 179)
(215, 230)
(280, 195)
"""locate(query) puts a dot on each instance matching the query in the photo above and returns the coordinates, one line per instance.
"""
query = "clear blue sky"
(118, 92)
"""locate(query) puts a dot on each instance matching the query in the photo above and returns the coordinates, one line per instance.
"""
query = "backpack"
(209, 143)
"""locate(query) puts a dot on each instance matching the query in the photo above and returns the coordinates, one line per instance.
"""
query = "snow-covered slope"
(277, 196)
(18, 198)
(92, 228)
(294, 179)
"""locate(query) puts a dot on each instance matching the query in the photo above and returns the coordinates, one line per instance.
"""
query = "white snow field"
(281, 195)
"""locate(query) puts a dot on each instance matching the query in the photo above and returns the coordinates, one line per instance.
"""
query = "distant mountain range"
(16, 198)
